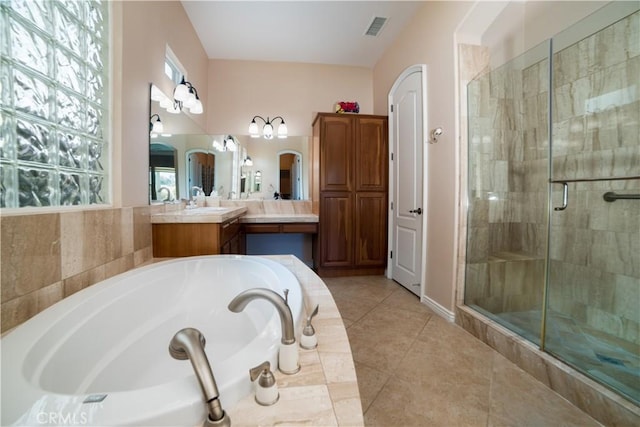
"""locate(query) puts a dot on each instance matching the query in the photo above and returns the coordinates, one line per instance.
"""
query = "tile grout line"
(493, 361)
(392, 374)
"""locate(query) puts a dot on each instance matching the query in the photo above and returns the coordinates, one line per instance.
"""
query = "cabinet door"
(336, 230)
(371, 229)
(371, 154)
(336, 154)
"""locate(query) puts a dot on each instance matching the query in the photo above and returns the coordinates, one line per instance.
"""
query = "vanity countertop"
(278, 217)
(198, 215)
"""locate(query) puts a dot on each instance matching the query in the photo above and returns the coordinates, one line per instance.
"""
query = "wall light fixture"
(267, 129)
(155, 126)
(185, 95)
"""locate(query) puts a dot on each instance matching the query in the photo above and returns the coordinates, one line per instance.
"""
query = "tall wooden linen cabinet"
(350, 192)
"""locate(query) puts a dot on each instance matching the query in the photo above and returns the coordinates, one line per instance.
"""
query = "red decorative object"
(347, 107)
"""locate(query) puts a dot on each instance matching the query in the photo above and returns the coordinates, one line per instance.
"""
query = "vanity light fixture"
(185, 95)
(248, 161)
(155, 126)
(267, 129)
(228, 144)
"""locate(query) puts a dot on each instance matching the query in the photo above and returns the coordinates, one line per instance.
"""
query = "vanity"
(198, 231)
(225, 229)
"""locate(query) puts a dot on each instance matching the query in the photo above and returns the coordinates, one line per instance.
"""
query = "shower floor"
(603, 357)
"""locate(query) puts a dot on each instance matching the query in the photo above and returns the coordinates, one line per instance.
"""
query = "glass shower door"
(593, 290)
(508, 178)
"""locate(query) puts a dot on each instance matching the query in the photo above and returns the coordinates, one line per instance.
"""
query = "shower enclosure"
(553, 243)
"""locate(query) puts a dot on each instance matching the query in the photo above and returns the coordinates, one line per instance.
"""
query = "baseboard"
(439, 309)
(339, 272)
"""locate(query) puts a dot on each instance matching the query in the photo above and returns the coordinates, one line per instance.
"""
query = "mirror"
(183, 157)
(162, 172)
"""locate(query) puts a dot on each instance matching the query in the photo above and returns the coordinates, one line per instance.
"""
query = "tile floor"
(416, 369)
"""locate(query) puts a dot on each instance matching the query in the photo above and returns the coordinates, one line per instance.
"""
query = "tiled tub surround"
(47, 257)
(325, 391)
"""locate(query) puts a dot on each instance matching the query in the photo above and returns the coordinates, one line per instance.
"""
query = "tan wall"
(146, 30)
(239, 90)
(429, 39)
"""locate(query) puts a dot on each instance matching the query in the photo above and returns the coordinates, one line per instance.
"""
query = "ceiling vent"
(376, 26)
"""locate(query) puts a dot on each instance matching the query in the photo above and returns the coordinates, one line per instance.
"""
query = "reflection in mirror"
(162, 173)
(225, 173)
(266, 158)
(201, 171)
(290, 175)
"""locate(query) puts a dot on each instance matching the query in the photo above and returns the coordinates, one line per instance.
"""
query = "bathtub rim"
(186, 386)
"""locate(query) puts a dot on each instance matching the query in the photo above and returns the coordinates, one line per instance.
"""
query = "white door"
(406, 131)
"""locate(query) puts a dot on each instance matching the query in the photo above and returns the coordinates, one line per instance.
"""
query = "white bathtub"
(112, 339)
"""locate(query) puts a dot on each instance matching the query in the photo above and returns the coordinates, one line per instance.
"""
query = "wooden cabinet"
(191, 239)
(351, 175)
(336, 229)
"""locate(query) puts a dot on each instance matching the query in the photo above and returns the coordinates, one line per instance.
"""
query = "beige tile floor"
(416, 369)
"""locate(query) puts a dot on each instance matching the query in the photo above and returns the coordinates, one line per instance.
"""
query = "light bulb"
(253, 129)
(158, 127)
(190, 101)
(282, 131)
(267, 131)
(174, 108)
(197, 108)
(181, 92)
(165, 103)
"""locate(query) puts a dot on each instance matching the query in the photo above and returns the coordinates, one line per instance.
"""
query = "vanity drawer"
(310, 228)
(297, 227)
(229, 229)
(261, 228)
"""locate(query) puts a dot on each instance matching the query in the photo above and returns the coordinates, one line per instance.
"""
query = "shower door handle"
(565, 197)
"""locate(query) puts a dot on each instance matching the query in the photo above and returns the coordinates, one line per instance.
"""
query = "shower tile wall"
(508, 172)
(595, 248)
(47, 257)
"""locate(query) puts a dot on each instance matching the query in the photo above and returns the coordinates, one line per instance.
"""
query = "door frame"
(422, 69)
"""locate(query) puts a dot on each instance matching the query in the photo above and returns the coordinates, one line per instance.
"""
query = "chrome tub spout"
(188, 343)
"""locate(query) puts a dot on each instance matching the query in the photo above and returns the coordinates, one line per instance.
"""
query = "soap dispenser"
(266, 387)
(308, 339)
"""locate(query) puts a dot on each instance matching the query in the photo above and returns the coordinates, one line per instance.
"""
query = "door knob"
(418, 211)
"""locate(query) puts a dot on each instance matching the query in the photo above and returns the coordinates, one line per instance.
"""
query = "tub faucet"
(188, 343)
(288, 354)
(198, 190)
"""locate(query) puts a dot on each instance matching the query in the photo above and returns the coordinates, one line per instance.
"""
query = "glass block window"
(54, 103)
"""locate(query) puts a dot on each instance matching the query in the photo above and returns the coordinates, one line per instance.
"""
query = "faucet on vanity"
(188, 343)
(198, 191)
(168, 190)
(288, 354)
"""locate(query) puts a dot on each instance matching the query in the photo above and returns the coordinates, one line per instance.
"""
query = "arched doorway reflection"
(201, 171)
(290, 174)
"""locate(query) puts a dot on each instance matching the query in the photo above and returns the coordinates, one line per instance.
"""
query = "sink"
(204, 210)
